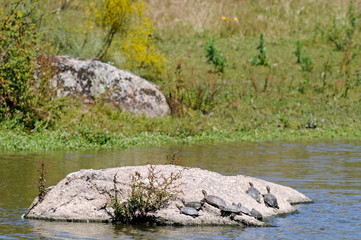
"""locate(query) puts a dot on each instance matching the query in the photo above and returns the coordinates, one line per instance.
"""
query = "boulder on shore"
(91, 79)
(83, 196)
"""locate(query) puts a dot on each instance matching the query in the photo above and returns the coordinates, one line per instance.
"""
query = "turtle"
(213, 200)
(269, 199)
(256, 214)
(196, 205)
(254, 193)
(244, 210)
(230, 210)
(188, 211)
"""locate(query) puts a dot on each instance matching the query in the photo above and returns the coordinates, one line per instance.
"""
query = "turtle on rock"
(269, 199)
(243, 209)
(254, 193)
(188, 211)
(213, 200)
(230, 210)
(256, 214)
(196, 205)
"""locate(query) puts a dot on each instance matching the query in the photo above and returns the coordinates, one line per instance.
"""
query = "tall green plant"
(18, 53)
(25, 91)
(260, 59)
(42, 168)
(303, 59)
(214, 56)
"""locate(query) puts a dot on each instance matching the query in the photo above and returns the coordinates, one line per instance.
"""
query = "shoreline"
(62, 140)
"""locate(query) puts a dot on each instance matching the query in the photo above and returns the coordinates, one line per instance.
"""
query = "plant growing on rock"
(148, 194)
(42, 169)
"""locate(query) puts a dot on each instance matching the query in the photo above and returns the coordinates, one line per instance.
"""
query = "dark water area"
(328, 172)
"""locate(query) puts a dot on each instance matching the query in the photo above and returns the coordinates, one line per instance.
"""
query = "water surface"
(328, 172)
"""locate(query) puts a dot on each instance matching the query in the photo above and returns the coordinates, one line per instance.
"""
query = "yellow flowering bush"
(134, 42)
(140, 53)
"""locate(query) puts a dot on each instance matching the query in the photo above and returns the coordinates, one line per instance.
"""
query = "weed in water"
(173, 159)
(42, 168)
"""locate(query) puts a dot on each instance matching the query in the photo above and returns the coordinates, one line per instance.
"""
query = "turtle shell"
(254, 193)
(195, 205)
(188, 211)
(214, 200)
(269, 199)
(256, 214)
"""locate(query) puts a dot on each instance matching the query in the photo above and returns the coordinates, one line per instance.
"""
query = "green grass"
(244, 101)
(61, 140)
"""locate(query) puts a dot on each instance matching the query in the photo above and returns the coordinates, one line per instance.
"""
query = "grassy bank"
(59, 140)
(234, 71)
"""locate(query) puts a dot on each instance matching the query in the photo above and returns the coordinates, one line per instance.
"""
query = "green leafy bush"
(214, 56)
(342, 31)
(147, 195)
(24, 69)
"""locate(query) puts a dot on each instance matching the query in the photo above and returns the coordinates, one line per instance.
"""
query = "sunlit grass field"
(223, 81)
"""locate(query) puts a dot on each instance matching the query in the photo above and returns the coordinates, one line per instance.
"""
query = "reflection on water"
(327, 172)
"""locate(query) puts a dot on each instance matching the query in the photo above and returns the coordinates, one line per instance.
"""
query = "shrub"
(147, 195)
(139, 51)
(128, 33)
(114, 16)
(342, 31)
(21, 95)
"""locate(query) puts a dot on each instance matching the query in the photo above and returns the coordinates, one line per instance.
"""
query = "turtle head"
(204, 193)
(179, 207)
(251, 184)
(268, 189)
(183, 201)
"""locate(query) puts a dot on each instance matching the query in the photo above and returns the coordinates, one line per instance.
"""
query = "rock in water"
(83, 196)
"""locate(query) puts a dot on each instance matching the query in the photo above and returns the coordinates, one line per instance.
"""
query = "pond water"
(328, 172)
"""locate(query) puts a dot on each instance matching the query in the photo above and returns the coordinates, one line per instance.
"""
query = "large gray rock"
(81, 196)
(91, 79)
